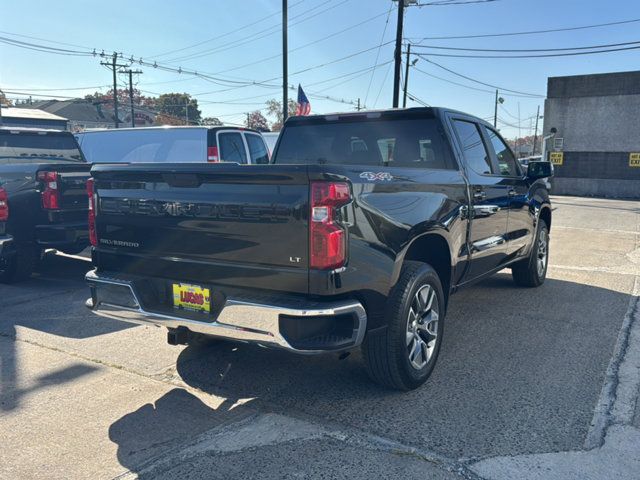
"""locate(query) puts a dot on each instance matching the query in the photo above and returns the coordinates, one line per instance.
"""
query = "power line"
(530, 32)
(59, 89)
(384, 32)
(158, 55)
(411, 96)
(547, 55)
(445, 3)
(257, 36)
(563, 49)
(483, 83)
(43, 48)
(384, 81)
(303, 46)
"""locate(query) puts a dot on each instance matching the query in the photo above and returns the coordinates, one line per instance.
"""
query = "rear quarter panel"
(392, 207)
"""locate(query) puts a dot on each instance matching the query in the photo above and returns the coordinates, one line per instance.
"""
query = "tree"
(179, 105)
(4, 101)
(164, 119)
(518, 143)
(123, 98)
(211, 121)
(274, 108)
(257, 121)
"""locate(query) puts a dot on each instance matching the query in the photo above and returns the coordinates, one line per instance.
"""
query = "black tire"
(387, 353)
(529, 273)
(21, 265)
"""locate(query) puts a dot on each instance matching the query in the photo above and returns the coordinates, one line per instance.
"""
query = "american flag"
(304, 107)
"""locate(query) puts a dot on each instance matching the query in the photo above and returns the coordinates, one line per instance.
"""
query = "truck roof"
(170, 127)
(33, 130)
(389, 112)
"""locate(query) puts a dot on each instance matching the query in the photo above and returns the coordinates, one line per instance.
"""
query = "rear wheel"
(404, 355)
(533, 271)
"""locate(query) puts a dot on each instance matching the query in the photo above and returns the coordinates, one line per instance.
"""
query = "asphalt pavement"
(529, 382)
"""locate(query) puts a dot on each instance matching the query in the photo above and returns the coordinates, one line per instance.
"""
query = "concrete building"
(32, 118)
(597, 118)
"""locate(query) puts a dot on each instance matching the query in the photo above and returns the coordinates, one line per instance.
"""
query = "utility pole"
(406, 76)
(535, 135)
(358, 107)
(186, 111)
(113, 65)
(1, 95)
(285, 66)
(519, 134)
(398, 55)
(495, 112)
(131, 72)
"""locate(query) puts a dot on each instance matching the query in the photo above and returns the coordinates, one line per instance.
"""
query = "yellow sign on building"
(557, 158)
(634, 159)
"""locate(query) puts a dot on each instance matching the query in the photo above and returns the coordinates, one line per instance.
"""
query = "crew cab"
(43, 201)
(356, 235)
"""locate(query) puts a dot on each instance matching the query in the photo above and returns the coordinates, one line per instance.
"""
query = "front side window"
(473, 149)
(506, 160)
(232, 148)
(257, 149)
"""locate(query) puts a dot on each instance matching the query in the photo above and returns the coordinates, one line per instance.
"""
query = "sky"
(334, 46)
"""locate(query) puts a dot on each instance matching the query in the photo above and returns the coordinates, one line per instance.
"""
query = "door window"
(232, 148)
(506, 160)
(257, 149)
(473, 149)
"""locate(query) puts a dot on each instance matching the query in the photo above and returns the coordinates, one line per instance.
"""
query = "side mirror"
(536, 170)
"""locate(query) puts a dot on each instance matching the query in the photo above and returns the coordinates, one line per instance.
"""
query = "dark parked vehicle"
(358, 234)
(43, 201)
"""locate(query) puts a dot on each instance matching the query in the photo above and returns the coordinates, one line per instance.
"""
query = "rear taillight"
(93, 234)
(328, 240)
(4, 205)
(50, 192)
(212, 154)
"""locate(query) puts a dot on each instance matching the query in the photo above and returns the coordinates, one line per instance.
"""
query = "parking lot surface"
(523, 373)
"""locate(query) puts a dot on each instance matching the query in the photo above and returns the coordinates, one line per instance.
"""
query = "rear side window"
(416, 143)
(506, 160)
(257, 149)
(473, 149)
(232, 147)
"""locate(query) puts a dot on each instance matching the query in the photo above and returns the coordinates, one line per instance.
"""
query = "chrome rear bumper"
(239, 319)
(6, 243)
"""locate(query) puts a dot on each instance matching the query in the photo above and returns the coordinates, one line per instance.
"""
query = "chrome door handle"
(480, 195)
(512, 193)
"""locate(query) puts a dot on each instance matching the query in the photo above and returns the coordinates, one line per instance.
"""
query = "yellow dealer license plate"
(191, 297)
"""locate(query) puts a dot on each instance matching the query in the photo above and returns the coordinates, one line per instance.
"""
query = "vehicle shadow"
(52, 302)
(59, 281)
(520, 371)
(156, 429)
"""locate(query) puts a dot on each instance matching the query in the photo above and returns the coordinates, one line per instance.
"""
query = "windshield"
(416, 143)
(36, 147)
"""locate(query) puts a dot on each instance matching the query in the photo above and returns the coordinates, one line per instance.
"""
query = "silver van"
(174, 145)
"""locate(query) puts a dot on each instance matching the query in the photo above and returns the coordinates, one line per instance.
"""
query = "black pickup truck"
(43, 200)
(358, 233)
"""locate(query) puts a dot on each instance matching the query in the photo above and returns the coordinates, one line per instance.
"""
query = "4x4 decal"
(375, 176)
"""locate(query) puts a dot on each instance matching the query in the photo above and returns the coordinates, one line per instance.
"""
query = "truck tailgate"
(212, 224)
